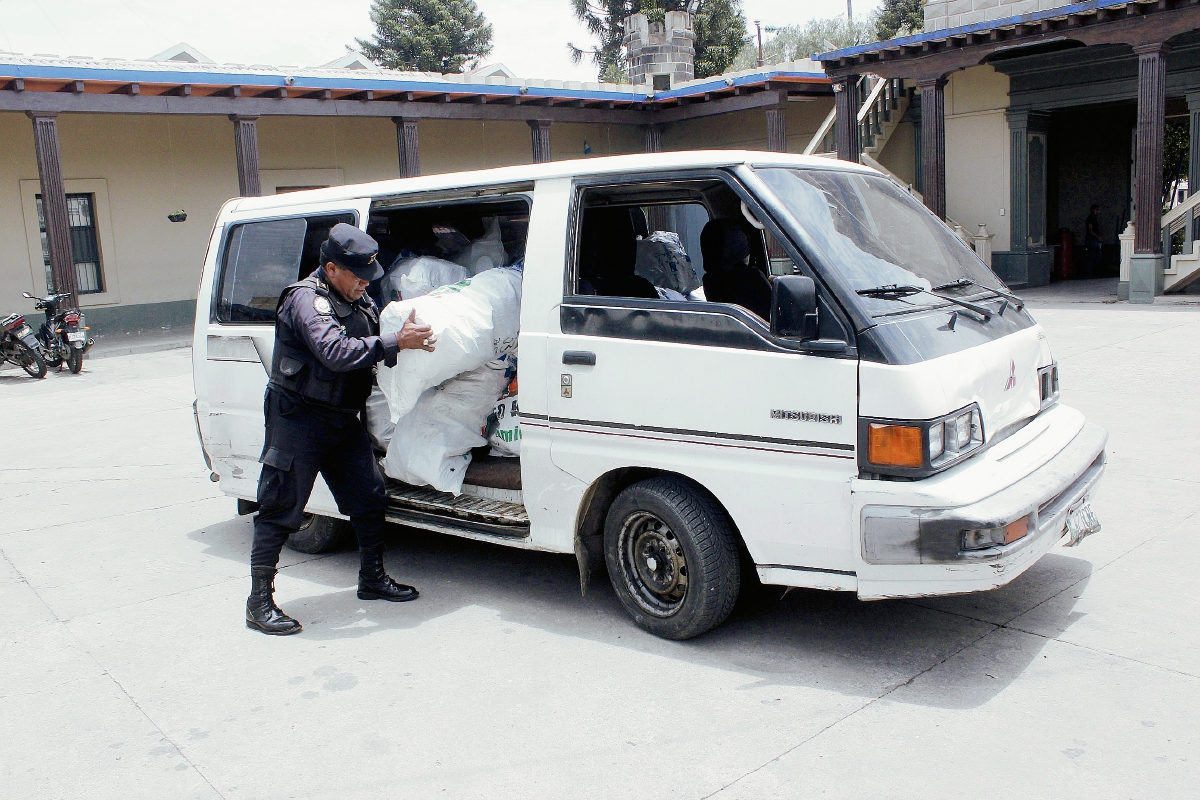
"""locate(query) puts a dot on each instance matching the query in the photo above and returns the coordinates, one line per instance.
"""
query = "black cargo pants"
(299, 444)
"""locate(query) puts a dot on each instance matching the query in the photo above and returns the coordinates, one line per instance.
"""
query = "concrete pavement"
(125, 669)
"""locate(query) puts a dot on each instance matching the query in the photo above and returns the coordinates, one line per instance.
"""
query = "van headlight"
(919, 448)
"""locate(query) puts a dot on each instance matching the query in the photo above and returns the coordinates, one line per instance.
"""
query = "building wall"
(143, 167)
(147, 166)
(941, 14)
(748, 129)
(977, 152)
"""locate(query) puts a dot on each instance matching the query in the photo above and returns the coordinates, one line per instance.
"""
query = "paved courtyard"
(126, 670)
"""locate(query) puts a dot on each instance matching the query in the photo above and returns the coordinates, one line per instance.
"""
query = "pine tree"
(720, 36)
(900, 18)
(428, 35)
(720, 29)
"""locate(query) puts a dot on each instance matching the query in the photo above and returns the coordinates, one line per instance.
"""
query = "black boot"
(261, 612)
(374, 583)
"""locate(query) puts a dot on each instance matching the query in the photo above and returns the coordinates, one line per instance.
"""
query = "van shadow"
(816, 639)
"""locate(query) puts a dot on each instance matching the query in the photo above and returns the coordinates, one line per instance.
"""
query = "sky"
(530, 36)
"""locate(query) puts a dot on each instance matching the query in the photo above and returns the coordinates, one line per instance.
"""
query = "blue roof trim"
(374, 82)
(944, 33)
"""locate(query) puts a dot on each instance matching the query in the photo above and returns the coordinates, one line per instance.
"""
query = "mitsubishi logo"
(1012, 375)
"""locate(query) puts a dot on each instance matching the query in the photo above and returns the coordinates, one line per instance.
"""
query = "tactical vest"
(294, 367)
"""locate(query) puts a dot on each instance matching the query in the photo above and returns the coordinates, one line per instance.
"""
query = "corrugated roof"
(105, 75)
(978, 27)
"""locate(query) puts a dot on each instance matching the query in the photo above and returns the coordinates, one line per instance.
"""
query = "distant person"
(1092, 244)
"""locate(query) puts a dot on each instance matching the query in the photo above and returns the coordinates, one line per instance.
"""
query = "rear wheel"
(74, 360)
(318, 534)
(31, 360)
(672, 557)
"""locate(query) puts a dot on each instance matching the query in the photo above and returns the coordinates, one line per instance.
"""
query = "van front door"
(702, 390)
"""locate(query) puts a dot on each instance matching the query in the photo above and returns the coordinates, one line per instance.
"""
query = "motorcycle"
(63, 336)
(19, 346)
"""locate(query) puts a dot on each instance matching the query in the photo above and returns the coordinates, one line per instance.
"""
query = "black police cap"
(349, 247)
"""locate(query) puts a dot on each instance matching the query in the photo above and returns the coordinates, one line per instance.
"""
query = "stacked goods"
(433, 442)
(440, 401)
(504, 423)
(418, 276)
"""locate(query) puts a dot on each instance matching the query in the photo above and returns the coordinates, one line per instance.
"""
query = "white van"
(883, 420)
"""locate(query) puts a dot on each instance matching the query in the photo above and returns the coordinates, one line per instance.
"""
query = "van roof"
(524, 173)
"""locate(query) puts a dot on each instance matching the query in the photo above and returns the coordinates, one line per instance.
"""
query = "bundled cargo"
(662, 260)
(432, 443)
(474, 321)
(418, 276)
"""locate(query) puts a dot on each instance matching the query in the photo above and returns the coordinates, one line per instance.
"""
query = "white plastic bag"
(475, 321)
(432, 443)
(504, 427)
(662, 260)
(379, 419)
(416, 277)
(486, 252)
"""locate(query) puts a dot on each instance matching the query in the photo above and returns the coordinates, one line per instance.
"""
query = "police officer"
(326, 347)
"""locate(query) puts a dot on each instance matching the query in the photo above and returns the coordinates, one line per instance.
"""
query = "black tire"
(672, 557)
(74, 360)
(317, 535)
(31, 361)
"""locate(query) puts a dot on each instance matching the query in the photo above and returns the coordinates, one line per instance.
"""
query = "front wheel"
(74, 359)
(318, 534)
(672, 557)
(31, 361)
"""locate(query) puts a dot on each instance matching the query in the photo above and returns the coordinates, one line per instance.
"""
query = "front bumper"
(911, 550)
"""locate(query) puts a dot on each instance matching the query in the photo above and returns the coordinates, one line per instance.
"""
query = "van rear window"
(262, 258)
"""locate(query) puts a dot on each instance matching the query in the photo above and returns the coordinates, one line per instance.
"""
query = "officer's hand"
(415, 337)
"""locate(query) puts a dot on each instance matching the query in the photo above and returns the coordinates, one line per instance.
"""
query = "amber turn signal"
(895, 446)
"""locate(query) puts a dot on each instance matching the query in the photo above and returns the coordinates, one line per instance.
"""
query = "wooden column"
(933, 144)
(245, 133)
(777, 130)
(653, 139)
(541, 139)
(54, 203)
(845, 124)
(1151, 123)
(408, 146)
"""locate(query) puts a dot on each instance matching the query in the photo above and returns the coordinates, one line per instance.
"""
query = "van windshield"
(878, 235)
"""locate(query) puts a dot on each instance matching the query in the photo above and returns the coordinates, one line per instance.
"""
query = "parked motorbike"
(63, 336)
(19, 346)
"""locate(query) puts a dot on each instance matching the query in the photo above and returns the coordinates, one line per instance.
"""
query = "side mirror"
(794, 307)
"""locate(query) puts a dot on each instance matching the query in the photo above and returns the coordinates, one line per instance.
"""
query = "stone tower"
(662, 55)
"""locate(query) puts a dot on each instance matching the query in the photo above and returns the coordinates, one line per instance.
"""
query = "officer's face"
(347, 284)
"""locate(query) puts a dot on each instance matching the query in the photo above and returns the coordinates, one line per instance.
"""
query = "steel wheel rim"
(653, 564)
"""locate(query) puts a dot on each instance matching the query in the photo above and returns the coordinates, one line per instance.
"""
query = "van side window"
(680, 241)
(262, 258)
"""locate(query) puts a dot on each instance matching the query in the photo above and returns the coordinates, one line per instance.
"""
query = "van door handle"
(579, 358)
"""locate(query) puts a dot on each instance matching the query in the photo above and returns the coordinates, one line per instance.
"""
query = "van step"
(423, 507)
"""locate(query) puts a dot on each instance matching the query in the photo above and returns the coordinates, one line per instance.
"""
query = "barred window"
(85, 244)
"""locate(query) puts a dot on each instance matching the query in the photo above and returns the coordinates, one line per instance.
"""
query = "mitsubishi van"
(848, 400)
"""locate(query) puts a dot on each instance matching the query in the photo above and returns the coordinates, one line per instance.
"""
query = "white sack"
(432, 443)
(486, 252)
(379, 419)
(475, 322)
(662, 260)
(416, 277)
(504, 427)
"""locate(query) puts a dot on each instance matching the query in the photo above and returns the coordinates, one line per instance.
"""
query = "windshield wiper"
(894, 292)
(1017, 302)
